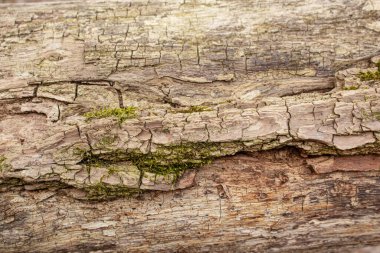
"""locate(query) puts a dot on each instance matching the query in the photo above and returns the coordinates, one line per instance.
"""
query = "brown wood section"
(267, 201)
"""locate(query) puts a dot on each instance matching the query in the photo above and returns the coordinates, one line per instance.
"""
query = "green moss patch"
(165, 159)
(370, 75)
(121, 114)
(195, 108)
(3, 165)
(102, 191)
(376, 115)
(351, 88)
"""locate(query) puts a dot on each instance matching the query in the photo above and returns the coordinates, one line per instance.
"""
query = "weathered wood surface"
(217, 81)
(263, 202)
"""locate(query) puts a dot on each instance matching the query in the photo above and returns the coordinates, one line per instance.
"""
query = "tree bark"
(186, 126)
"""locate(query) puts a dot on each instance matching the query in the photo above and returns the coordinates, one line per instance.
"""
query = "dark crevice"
(35, 91)
(120, 98)
(168, 101)
(317, 90)
(59, 113)
(101, 82)
(76, 91)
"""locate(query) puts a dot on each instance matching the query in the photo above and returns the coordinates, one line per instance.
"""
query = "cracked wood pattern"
(208, 79)
(263, 202)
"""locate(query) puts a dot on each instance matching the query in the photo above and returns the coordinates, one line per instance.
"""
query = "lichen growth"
(370, 75)
(79, 152)
(113, 170)
(121, 114)
(3, 165)
(353, 87)
(101, 191)
(369, 115)
(195, 108)
(376, 115)
(91, 160)
(106, 141)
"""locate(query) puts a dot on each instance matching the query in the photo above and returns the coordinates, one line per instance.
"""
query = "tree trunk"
(190, 126)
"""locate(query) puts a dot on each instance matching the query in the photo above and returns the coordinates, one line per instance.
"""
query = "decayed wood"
(199, 82)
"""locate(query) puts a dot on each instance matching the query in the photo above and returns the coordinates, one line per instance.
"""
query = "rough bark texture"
(190, 126)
